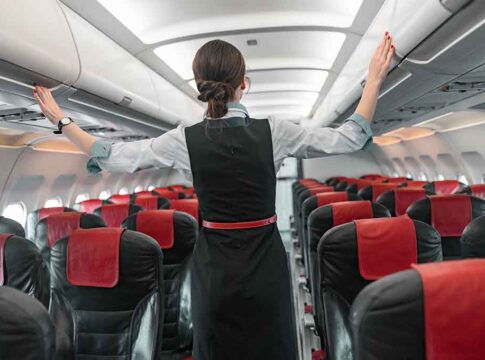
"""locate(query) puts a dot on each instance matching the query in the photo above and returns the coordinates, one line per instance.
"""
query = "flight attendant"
(241, 299)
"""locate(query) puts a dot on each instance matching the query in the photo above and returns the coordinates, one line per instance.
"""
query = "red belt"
(239, 225)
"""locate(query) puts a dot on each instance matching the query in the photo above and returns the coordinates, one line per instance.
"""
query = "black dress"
(241, 298)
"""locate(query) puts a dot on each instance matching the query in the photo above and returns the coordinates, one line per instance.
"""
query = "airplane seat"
(444, 187)
(177, 187)
(168, 194)
(372, 192)
(120, 198)
(342, 185)
(310, 204)
(150, 202)
(26, 330)
(374, 177)
(114, 214)
(332, 181)
(301, 197)
(35, 216)
(353, 255)
(477, 190)
(23, 268)
(449, 215)
(56, 226)
(396, 180)
(106, 295)
(9, 226)
(398, 200)
(90, 205)
(473, 239)
(323, 219)
(176, 233)
(188, 206)
(415, 314)
(355, 186)
(142, 193)
(414, 183)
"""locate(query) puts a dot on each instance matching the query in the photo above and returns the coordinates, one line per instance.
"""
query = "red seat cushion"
(93, 257)
(446, 187)
(478, 190)
(385, 246)
(454, 294)
(90, 205)
(404, 197)
(114, 214)
(120, 199)
(344, 212)
(3, 240)
(331, 197)
(60, 225)
(189, 206)
(450, 214)
(45, 212)
(148, 202)
(158, 224)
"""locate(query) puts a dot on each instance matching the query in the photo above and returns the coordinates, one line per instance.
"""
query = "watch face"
(65, 121)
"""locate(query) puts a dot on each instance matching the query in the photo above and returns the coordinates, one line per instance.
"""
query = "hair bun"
(215, 90)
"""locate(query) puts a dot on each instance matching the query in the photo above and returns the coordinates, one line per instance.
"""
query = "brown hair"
(219, 69)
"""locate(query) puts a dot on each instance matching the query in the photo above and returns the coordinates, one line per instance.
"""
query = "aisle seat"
(301, 197)
(473, 239)
(189, 206)
(39, 214)
(444, 187)
(398, 200)
(176, 233)
(90, 205)
(432, 312)
(372, 192)
(449, 215)
(120, 198)
(322, 220)
(353, 255)
(9, 226)
(26, 330)
(23, 268)
(477, 190)
(150, 202)
(106, 299)
(114, 214)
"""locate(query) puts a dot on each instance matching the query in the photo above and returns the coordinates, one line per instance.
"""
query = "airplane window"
(103, 195)
(16, 211)
(138, 188)
(81, 197)
(54, 202)
(151, 187)
(440, 177)
(123, 191)
(463, 179)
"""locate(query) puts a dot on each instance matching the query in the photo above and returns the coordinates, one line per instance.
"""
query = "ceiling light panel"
(454, 121)
(275, 50)
(291, 110)
(154, 21)
(280, 99)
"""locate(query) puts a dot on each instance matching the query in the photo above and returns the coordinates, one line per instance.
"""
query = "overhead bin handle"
(454, 5)
(126, 101)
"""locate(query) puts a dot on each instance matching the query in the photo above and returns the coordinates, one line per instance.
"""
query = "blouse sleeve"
(293, 140)
(166, 151)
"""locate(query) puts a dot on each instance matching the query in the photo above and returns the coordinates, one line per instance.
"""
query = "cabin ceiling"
(294, 49)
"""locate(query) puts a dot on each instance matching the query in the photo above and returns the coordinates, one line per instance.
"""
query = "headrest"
(114, 214)
(307, 181)
(404, 197)
(148, 202)
(320, 189)
(385, 246)
(359, 185)
(450, 214)
(331, 197)
(415, 183)
(93, 257)
(60, 225)
(144, 192)
(157, 224)
(396, 180)
(188, 191)
(45, 212)
(344, 212)
(90, 205)
(446, 187)
(473, 239)
(378, 189)
(478, 190)
(120, 199)
(11, 227)
(3, 240)
(454, 293)
(176, 187)
(167, 193)
(189, 206)
(373, 177)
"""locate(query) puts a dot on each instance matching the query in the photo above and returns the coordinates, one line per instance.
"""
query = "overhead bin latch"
(126, 102)
(454, 5)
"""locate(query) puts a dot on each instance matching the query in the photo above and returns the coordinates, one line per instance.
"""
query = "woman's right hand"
(379, 65)
(48, 104)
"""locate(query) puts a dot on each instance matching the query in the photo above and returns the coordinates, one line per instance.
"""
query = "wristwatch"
(63, 122)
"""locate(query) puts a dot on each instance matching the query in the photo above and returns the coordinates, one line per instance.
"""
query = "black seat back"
(473, 239)
(9, 226)
(444, 187)
(114, 214)
(39, 214)
(150, 202)
(398, 200)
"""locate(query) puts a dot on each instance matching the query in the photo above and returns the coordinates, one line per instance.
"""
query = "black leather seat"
(477, 190)
(355, 186)
(90, 205)
(39, 214)
(421, 314)
(106, 295)
(320, 221)
(176, 233)
(22, 267)
(372, 192)
(334, 180)
(26, 331)
(56, 226)
(9, 226)
(398, 200)
(302, 195)
(343, 184)
(114, 214)
(449, 214)
(352, 255)
(150, 202)
(444, 187)
(473, 239)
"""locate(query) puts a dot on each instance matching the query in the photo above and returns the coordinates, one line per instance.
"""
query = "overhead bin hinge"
(454, 5)
(126, 101)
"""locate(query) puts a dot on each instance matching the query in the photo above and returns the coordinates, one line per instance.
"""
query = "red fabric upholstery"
(60, 225)
(142, 193)
(189, 206)
(378, 189)
(344, 212)
(3, 240)
(167, 193)
(385, 246)
(188, 191)
(176, 187)
(415, 183)
(90, 205)
(351, 181)
(403, 197)
(320, 189)
(158, 224)
(363, 183)
(45, 212)
(373, 177)
(450, 214)
(307, 181)
(331, 197)
(120, 199)
(478, 190)
(147, 202)
(114, 214)
(454, 294)
(93, 257)
(446, 187)
(397, 180)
